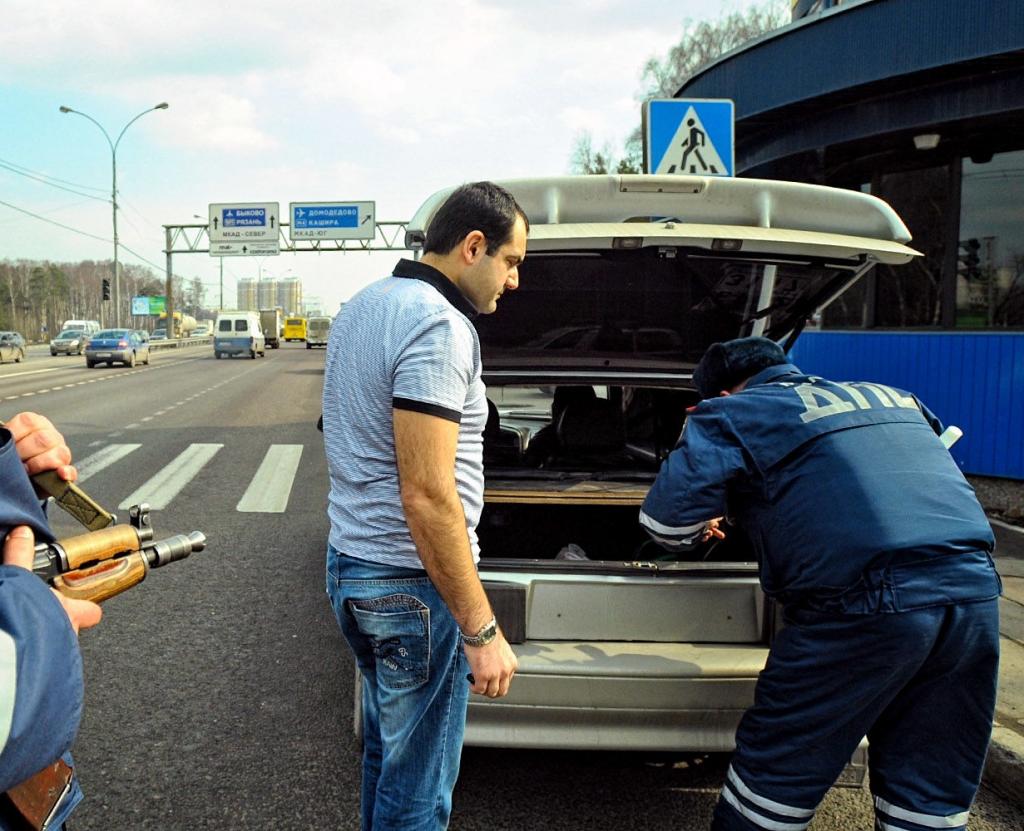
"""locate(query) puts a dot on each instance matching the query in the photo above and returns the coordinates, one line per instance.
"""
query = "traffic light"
(106, 289)
(968, 260)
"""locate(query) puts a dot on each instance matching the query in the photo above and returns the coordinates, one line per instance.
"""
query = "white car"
(632, 277)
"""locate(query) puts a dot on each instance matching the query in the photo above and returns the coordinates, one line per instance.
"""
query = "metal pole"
(113, 193)
(168, 286)
(221, 284)
(113, 199)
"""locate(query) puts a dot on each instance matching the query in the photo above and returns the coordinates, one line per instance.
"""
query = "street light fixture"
(163, 105)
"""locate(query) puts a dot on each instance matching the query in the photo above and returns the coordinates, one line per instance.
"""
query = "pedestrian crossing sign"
(689, 137)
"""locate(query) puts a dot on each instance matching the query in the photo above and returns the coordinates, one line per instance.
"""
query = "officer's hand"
(712, 530)
(40, 447)
(491, 667)
(19, 550)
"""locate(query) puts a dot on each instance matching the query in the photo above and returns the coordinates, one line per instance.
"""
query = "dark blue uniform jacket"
(40, 665)
(850, 500)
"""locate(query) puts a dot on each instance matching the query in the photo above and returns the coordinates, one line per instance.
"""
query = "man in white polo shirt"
(404, 409)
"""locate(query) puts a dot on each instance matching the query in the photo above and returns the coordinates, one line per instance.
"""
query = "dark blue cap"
(727, 364)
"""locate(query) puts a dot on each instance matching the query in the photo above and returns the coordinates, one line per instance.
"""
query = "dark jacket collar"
(428, 274)
(773, 373)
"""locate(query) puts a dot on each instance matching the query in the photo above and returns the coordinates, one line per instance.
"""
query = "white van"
(239, 333)
(90, 327)
(317, 331)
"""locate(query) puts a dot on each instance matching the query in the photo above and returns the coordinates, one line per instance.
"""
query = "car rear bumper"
(108, 354)
(233, 346)
(621, 696)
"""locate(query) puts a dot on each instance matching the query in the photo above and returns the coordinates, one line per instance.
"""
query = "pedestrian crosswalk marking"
(168, 483)
(91, 465)
(271, 486)
(269, 490)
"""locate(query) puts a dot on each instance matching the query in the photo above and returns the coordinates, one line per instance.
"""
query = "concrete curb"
(1004, 767)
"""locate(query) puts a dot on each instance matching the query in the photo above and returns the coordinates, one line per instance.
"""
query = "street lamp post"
(113, 191)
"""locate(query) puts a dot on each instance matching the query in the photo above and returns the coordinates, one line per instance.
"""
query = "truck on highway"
(270, 320)
(317, 330)
(184, 325)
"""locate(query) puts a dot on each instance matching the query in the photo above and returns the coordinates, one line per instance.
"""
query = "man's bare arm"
(425, 448)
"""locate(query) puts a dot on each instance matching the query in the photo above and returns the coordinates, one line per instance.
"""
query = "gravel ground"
(1001, 498)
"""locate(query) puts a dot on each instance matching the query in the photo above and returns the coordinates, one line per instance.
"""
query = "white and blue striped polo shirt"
(404, 342)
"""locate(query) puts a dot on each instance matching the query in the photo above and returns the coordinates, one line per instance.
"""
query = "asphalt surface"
(219, 691)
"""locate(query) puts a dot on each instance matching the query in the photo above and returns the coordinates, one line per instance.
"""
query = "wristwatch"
(484, 636)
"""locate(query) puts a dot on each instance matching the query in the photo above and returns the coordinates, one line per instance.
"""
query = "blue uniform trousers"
(920, 684)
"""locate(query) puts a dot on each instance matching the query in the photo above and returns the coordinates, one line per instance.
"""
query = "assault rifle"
(97, 565)
(100, 564)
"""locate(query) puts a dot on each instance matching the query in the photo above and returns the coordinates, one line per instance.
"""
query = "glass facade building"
(919, 102)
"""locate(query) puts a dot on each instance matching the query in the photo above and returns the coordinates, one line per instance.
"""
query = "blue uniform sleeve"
(691, 487)
(40, 665)
(40, 677)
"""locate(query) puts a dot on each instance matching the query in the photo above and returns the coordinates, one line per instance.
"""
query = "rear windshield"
(292, 321)
(240, 325)
(646, 304)
(111, 333)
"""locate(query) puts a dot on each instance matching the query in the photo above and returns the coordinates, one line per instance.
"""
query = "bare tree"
(701, 43)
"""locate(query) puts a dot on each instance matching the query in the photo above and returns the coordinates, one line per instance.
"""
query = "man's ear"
(473, 246)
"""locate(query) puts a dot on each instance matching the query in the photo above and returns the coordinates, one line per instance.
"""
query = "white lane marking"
(32, 372)
(91, 465)
(167, 484)
(271, 486)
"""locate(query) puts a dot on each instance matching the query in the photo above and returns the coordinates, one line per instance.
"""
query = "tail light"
(122, 344)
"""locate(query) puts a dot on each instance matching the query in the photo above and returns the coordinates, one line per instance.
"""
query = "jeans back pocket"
(398, 628)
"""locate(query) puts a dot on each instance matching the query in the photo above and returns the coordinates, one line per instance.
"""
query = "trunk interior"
(581, 532)
(568, 467)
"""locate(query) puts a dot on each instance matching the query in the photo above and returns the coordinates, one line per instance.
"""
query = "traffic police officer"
(871, 538)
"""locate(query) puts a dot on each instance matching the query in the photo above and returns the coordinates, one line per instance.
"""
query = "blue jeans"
(414, 695)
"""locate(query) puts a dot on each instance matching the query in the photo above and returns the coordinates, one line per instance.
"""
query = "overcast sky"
(308, 101)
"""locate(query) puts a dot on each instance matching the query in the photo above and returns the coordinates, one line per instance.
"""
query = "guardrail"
(180, 343)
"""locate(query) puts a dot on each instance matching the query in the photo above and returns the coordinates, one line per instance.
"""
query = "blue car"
(111, 346)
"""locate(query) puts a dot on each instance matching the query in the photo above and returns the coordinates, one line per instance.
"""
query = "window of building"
(990, 259)
(910, 294)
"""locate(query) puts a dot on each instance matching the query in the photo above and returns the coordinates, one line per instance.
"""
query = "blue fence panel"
(973, 380)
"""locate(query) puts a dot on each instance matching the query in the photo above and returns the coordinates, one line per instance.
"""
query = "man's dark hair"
(725, 365)
(478, 206)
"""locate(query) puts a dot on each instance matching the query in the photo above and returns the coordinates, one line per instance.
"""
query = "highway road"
(219, 692)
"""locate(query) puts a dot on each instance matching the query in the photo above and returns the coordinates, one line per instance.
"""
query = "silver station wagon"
(588, 367)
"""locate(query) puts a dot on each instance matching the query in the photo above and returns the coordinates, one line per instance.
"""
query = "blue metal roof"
(864, 70)
(853, 45)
